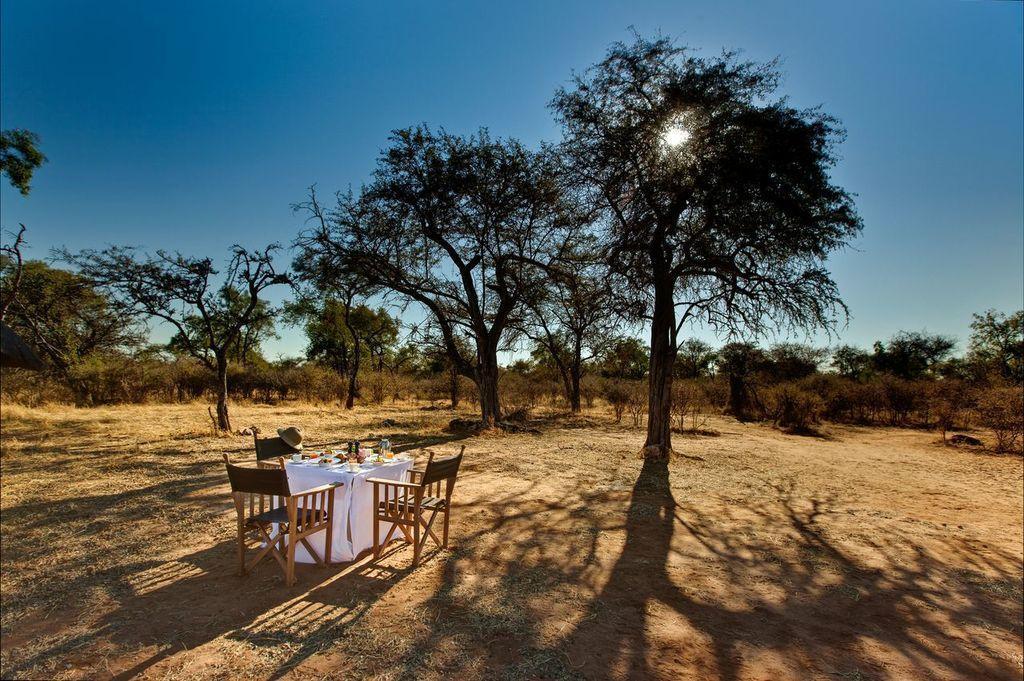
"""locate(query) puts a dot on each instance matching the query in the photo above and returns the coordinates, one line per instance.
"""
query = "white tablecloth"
(353, 505)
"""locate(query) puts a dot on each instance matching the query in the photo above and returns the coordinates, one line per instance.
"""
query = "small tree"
(740, 362)
(625, 358)
(180, 291)
(911, 354)
(716, 198)
(851, 362)
(572, 318)
(695, 359)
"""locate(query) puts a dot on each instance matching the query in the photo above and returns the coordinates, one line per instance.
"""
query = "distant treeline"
(913, 379)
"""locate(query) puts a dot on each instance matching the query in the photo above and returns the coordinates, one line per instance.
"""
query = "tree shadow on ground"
(578, 574)
(786, 592)
(167, 607)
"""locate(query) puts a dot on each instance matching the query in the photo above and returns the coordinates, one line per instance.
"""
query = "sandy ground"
(867, 553)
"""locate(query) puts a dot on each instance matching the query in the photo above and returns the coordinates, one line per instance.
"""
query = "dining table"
(352, 528)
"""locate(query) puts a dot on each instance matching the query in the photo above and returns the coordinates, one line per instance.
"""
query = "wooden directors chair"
(265, 491)
(405, 504)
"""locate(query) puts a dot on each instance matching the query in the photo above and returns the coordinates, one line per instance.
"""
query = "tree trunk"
(453, 386)
(353, 377)
(487, 383)
(663, 355)
(223, 420)
(739, 400)
(575, 376)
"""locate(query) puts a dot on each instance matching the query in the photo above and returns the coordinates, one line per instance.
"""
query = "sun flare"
(675, 135)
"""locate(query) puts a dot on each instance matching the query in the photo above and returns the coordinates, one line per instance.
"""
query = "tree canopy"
(715, 194)
(457, 225)
(64, 317)
(211, 321)
(20, 157)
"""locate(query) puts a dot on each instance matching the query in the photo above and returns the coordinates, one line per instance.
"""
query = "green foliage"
(626, 358)
(792, 361)
(851, 362)
(20, 157)
(997, 344)
(64, 317)
(911, 355)
(694, 359)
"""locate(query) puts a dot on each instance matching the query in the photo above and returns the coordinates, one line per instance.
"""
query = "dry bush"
(902, 397)
(689, 399)
(638, 402)
(401, 386)
(715, 392)
(684, 394)
(520, 394)
(590, 390)
(617, 392)
(375, 386)
(1001, 409)
(31, 389)
(314, 383)
(950, 401)
(793, 407)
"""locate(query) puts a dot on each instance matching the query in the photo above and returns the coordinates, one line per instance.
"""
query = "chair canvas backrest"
(272, 447)
(272, 481)
(442, 469)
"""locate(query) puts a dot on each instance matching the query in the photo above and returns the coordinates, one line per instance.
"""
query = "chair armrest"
(317, 490)
(396, 483)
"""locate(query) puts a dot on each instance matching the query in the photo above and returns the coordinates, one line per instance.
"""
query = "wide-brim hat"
(291, 436)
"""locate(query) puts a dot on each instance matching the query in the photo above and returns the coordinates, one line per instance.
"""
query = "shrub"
(590, 389)
(376, 385)
(793, 407)
(617, 393)
(638, 402)
(520, 394)
(949, 401)
(901, 398)
(1002, 410)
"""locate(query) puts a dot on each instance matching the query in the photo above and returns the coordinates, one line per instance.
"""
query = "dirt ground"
(861, 554)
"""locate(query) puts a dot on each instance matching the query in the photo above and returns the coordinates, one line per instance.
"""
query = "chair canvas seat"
(428, 503)
(279, 515)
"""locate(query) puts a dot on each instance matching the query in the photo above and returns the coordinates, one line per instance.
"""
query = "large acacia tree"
(210, 320)
(716, 196)
(460, 226)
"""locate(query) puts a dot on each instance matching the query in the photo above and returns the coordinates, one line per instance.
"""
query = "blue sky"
(192, 126)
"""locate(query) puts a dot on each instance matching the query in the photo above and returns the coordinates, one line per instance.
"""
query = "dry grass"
(870, 553)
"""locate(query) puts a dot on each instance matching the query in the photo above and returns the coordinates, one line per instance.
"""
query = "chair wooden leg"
(416, 541)
(444, 535)
(241, 548)
(289, 576)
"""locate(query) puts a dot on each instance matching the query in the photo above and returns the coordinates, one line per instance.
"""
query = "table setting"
(353, 501)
